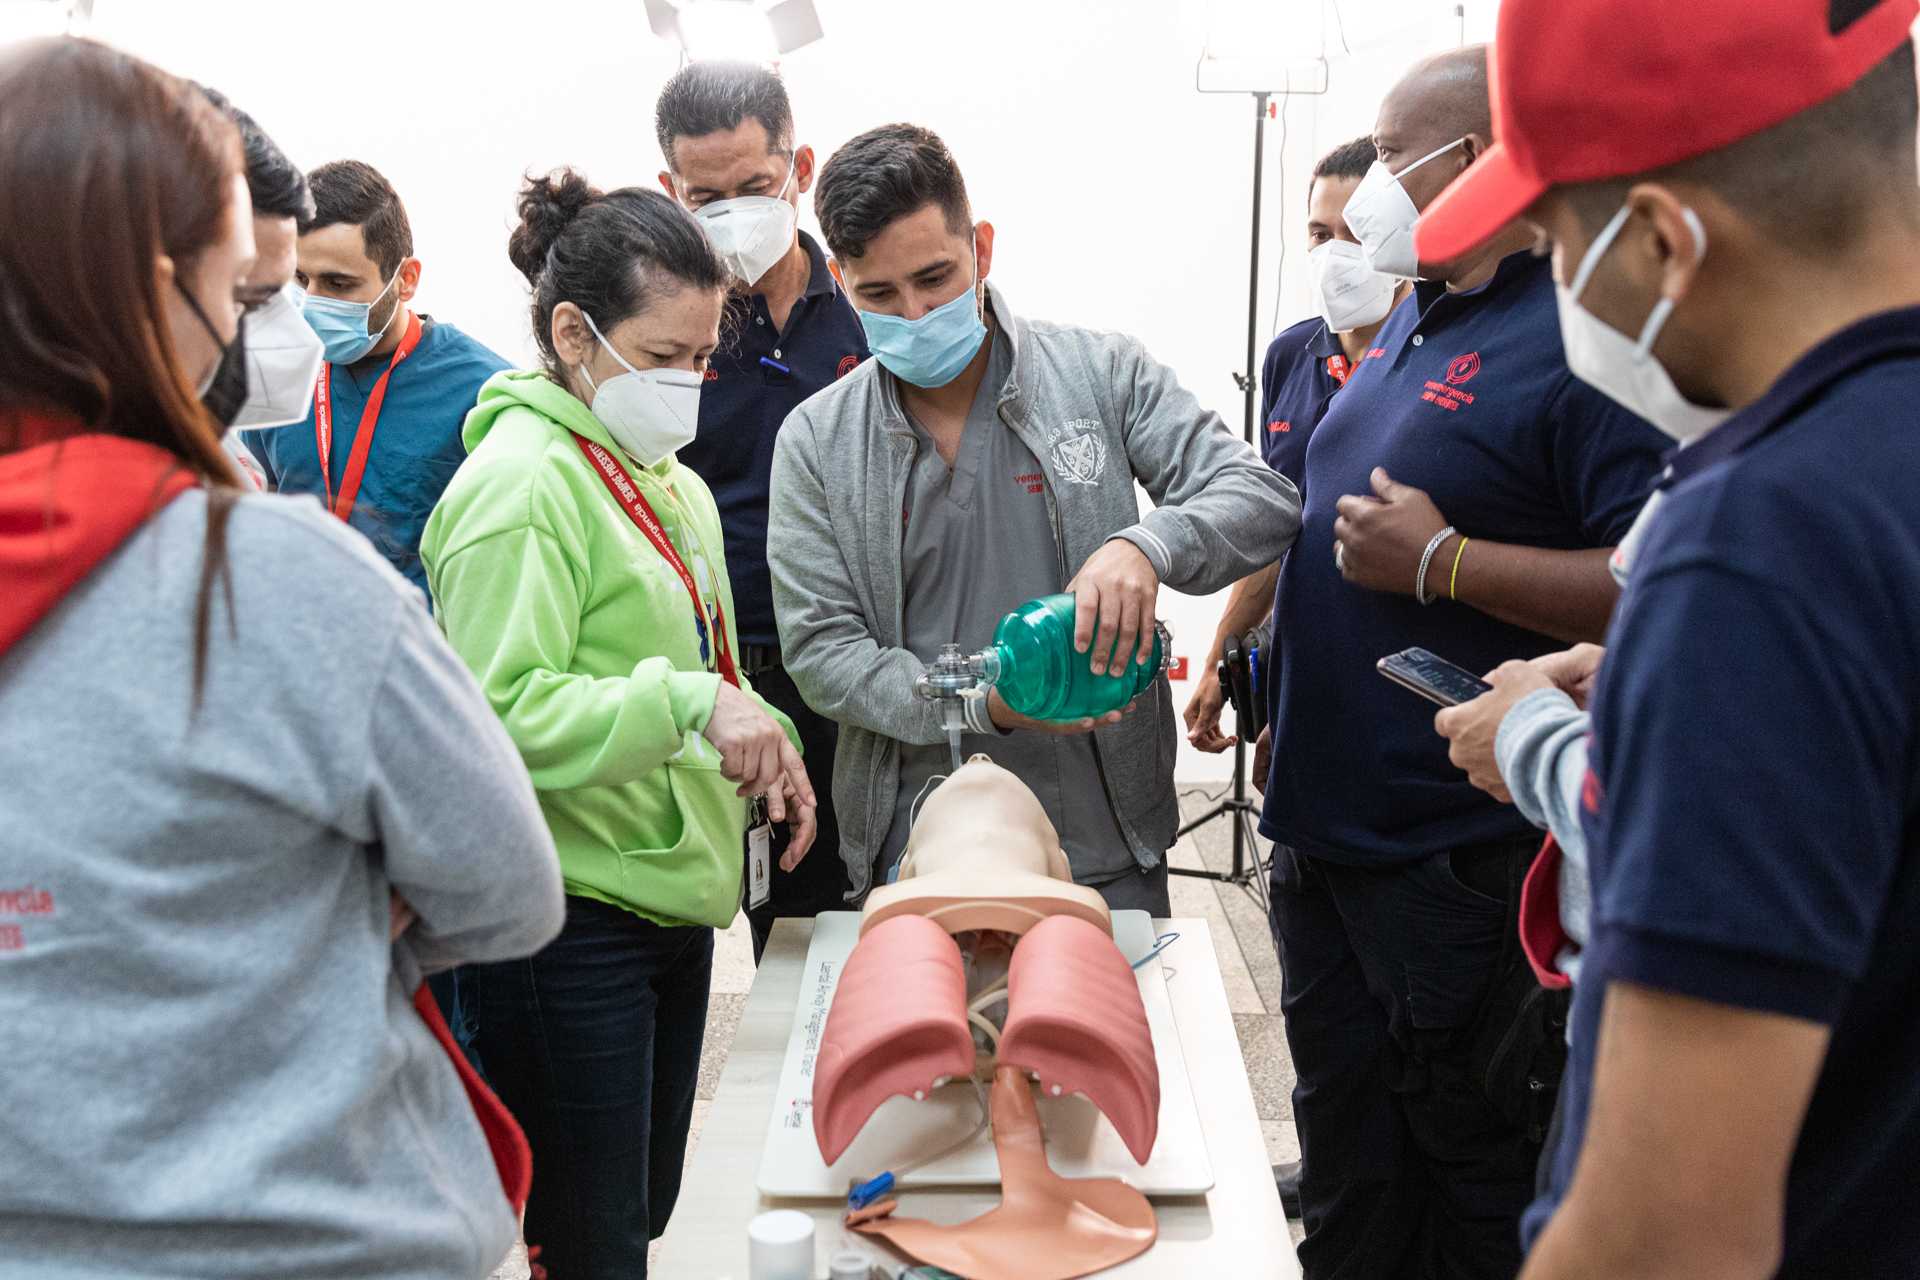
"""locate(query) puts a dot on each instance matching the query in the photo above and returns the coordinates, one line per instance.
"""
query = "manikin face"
(917, 264)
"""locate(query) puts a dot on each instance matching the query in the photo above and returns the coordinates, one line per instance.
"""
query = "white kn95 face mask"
(650, 413)
(1625, 368)
(1381, 214)
(1347, 292)
(283, 360)
(752, 232)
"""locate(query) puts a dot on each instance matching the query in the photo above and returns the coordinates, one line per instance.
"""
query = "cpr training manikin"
(985, 960)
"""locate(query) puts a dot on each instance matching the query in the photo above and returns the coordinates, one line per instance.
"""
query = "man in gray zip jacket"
(980, 461)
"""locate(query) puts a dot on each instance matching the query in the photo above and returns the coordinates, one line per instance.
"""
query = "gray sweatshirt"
(209, 1060)
(1098, 413)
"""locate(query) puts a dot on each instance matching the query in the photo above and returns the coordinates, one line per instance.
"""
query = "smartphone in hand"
(1433, 678)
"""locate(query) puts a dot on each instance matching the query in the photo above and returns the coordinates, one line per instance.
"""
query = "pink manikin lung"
(1074, 1016)
(897, 1024)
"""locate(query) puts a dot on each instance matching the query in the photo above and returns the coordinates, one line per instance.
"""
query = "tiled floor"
(1248, 966)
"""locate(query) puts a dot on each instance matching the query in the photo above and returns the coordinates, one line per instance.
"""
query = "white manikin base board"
(1081, 1143)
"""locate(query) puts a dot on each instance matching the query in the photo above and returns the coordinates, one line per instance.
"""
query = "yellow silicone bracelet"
(1453, 584)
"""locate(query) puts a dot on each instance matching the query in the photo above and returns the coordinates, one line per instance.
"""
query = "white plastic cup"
(848, 1264)
(780, 1246)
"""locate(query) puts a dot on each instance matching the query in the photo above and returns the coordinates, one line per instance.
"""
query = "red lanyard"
(342, 505)
(635, 504)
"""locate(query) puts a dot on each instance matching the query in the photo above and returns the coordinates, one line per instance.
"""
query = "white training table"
(1236, 1229)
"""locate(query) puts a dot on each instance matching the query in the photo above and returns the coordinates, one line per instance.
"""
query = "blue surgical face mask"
(342, 326)
(930, 351)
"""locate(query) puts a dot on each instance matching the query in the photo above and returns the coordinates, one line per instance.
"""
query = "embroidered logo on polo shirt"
(713, 375)
(1275, 428)
(1079, 451)
(1448, 394)
(847, 365)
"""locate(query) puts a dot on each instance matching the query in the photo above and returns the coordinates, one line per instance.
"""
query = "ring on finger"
(1340, 556)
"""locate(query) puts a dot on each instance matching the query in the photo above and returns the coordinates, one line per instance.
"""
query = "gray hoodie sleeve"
(841, 671)
(1220, 512)
(1541, 749)
(451, 807)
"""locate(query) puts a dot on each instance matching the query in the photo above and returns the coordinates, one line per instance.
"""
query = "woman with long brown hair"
(247, 794)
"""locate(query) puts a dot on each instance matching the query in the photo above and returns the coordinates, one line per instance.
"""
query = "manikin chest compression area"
(985, 960)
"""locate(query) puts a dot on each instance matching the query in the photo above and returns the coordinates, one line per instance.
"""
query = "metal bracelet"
(1426, 558)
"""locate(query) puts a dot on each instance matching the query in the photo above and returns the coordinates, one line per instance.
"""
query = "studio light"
(737, 29)
(24, 19)
(1263, 46)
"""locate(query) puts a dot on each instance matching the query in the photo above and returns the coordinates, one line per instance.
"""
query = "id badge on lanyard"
(759, 854)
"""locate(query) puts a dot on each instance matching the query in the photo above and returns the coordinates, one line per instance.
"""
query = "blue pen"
(774, 364)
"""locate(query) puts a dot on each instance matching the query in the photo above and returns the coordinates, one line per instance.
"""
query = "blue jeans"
(594, 1045)
(1409, 1172)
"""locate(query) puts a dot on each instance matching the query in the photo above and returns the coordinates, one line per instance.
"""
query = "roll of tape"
(780, 1246)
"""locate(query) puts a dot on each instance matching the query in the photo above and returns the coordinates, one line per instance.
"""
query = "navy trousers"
(1409, 1170)
(594, 1045)
(820, 882)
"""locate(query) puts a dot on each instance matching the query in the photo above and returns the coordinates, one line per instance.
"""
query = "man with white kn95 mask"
(282, 353)
(726, 130)
(1462, 495)
(1304, 366)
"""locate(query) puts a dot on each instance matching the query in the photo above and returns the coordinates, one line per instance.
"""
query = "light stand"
(1248, 869)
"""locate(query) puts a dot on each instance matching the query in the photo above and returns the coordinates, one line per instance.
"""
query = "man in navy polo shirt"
(1462, 495)
(1304, 366)
(726, 129)
(1732, 200)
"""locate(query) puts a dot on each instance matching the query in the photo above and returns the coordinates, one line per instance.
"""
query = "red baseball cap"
(1591, 89)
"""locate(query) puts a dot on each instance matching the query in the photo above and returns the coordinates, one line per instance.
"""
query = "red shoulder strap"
(512, 1158)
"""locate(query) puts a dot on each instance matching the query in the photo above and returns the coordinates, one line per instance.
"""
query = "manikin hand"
(755, 752)
(1380, 539)
(1472, 726)
(1118, 583)
(1007, 718)
(1203, 716)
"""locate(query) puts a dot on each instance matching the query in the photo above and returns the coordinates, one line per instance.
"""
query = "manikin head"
(983, 855)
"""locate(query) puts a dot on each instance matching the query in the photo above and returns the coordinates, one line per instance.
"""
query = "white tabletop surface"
(1237, 1229)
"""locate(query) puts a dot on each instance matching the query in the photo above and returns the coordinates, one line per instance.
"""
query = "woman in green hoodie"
(578, 569)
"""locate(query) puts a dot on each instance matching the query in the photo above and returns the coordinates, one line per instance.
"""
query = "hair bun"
(547, 205)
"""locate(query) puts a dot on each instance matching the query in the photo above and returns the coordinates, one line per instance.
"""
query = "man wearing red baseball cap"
(1731, 195)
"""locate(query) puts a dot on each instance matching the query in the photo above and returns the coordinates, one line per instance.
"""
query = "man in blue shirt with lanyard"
(726, 129)
(1731, 198)
(1304, 366)
(1462, 495)
(383, 436)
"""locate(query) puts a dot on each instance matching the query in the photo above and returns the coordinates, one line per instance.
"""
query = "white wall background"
(1121, 195)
